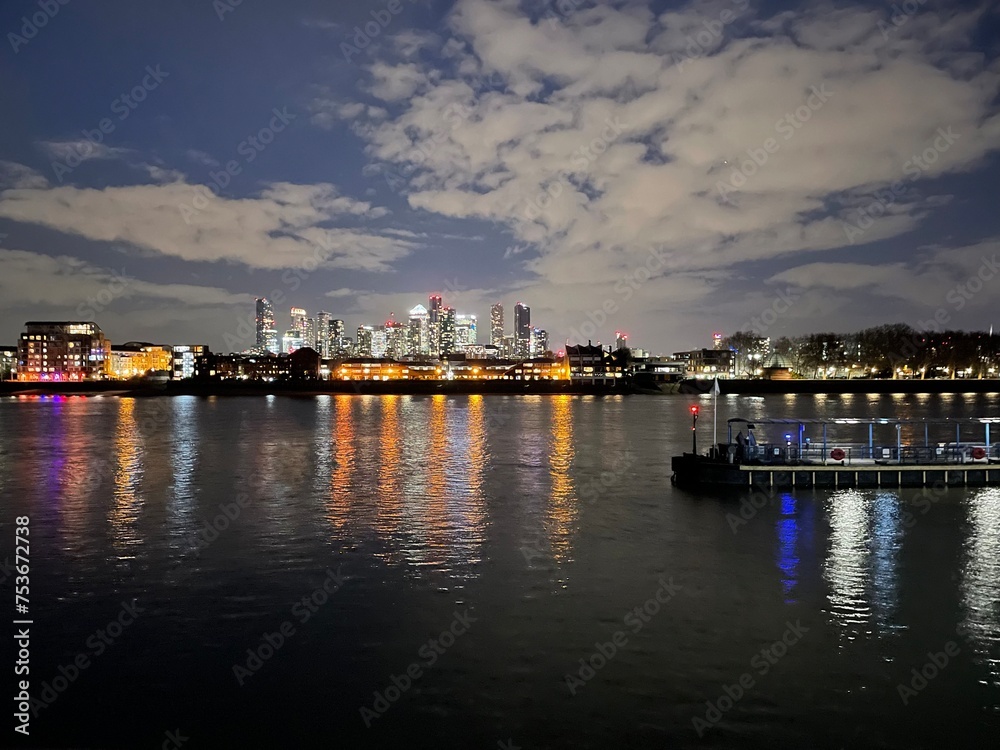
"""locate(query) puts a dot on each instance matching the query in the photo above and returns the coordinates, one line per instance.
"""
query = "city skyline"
(591, 181)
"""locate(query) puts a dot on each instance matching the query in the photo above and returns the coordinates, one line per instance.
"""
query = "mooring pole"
(899, 444)
(824, 444)
(694, 430)
(958, 443)
(871, 440)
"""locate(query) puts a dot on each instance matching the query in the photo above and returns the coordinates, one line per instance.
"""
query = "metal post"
(987, 438)
(927, 442)
(694, 432)
(824, 444)
(801, 428)
(871, 440)
(899, 445)
(958, 443)
(730, 440)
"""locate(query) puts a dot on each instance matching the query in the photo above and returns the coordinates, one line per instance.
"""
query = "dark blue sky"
(695, 179)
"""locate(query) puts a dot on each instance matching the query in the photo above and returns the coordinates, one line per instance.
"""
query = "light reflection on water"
(981, 579)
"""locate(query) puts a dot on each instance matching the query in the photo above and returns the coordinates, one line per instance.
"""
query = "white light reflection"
(981, 579)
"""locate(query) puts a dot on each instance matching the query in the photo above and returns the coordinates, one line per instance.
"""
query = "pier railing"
(813, 453)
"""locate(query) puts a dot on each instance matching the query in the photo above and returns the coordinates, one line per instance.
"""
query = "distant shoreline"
(856, 386)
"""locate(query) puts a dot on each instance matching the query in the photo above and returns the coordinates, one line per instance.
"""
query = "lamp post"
(694, 432)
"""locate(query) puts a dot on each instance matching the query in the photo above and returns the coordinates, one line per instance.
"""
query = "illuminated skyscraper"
(465, 331)
(621, 340)
(522, 330)
(309, 339)
(395, 338)
(434, 324)
(496, 325)
(363, 348)
(292, 341)
(539, 342)
(299, 321)
(323, 334)
(447, 332)
(265, 323)
(338, 342)
(418, 337)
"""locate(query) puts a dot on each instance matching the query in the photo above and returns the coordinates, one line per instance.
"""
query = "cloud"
(13, 175)
(283, 226)
(81, 150)
(726, 136)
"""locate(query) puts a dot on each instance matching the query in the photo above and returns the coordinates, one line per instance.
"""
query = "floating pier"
(814, 453)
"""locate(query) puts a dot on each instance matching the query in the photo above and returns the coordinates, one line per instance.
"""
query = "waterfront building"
(8, 362)
(537, 368)
(371, 368)
(708, 363)
(522, 330)
(496, 325)
(62, 350)
(265, 325)
(184, 357)
(465, 332)
(292, 340)
(448, 322)
(138, 359)
(592, 365)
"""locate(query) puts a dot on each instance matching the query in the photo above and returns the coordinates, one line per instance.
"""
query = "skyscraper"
(265, 324)
(299, 321)
(338, 342)
(323, 334)
(309, 339)
(539, 342)
(434, 324)
(496, 325)
(522, 330)
(465, 331)
(418, 338)
(447, 330)
(621, 340)
(363, 348)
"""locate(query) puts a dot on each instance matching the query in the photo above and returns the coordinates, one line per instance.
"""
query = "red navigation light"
(694, 409)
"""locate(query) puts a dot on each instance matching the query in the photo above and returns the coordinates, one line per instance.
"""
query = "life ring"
(837, 454)
(978, 453)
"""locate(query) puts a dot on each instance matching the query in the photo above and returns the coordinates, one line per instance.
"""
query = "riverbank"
(857, 386)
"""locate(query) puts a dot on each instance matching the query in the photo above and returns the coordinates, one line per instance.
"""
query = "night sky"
(685, 167)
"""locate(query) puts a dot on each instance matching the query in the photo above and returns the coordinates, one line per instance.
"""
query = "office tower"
(380, 342)
(509, 347)
(418, 333)
(265, 323)
(522, 330)
(496, 325)
(309, 339)
(323, 334)
(434, 325)
(63, 351)
(292, 341)
(338, 342)
(465, 331)
(447, 330)
(299, 321)
(272, 343)
(539, 342)
(396, 339)
(621, 340)
(363, 348)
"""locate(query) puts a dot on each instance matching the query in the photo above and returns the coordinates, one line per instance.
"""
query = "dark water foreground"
(483, 572)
